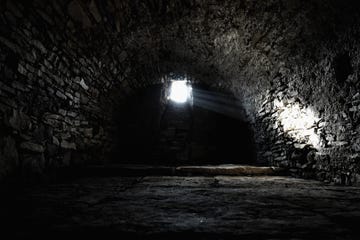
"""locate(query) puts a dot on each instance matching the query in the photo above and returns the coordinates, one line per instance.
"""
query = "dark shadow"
(137, 130)
(220, 139)
(152, 131)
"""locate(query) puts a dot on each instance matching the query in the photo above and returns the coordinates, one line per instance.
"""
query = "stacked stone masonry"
(66, 65)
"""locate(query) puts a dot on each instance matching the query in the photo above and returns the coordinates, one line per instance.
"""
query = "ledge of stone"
(231, 170)
(213, 170)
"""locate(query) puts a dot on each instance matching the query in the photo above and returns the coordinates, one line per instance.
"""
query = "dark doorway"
(156, 132)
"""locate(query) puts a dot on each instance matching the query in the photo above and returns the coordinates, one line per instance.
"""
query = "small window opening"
(180, 91)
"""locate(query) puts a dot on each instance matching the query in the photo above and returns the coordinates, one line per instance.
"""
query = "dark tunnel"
(174, 134)
(196, 119)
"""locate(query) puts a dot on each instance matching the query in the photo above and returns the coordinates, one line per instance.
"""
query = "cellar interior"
(207, 119)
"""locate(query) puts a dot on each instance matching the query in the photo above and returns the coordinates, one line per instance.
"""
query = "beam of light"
(180, 91)
(298, 122)
(219, 103)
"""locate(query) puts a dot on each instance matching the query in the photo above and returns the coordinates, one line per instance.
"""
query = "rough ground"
(185, 208)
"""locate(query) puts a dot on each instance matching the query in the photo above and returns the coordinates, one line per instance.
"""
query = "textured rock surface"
(65, 66)
(186, 207)
(230, 170)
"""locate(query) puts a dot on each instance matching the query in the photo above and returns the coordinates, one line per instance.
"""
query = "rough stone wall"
(317, 77)
(53, 77)
(82, 57)
(332, 97)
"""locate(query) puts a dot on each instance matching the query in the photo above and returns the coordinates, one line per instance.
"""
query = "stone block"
(62, 112)
(60, 95)
(340, 143)
(55, 141)
(32, 147)
(83, 85)
(72, 114)
(39, 46)
(299, 146)
(68, 145)
(22, 70)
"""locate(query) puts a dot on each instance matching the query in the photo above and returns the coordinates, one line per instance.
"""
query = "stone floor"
(170, 207)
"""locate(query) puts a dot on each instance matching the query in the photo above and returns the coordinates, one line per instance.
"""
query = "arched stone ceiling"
(81, 57)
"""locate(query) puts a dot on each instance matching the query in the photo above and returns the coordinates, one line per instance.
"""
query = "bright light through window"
(180, 92)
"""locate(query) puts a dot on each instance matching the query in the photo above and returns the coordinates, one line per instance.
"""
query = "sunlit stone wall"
(309, 142)
(294, 68)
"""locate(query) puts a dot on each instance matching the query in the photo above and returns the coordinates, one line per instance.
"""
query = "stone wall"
(316, 83)
(66, 65)
(325, 96)
(53, 79)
